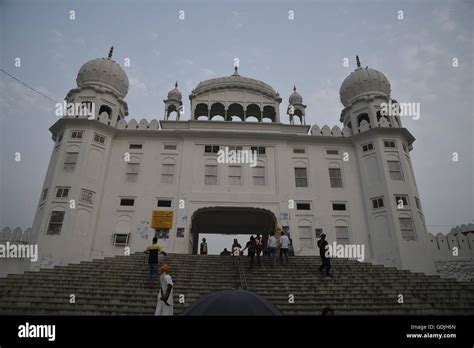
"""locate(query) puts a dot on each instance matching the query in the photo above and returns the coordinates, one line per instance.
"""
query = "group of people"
(254, 247)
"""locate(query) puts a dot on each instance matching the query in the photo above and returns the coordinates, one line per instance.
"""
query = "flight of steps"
(357, 288)
(118, 286)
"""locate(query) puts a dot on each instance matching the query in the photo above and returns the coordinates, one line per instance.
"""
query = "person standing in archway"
(203, 247)
(236, 248)
(272, 245)
(284, 245)
(252, 248)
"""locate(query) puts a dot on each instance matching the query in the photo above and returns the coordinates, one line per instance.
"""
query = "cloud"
(137, 84)
(207, 72)
(443, 17)
(19, 101)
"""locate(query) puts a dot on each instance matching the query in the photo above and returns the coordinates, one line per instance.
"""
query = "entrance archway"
(231, 220)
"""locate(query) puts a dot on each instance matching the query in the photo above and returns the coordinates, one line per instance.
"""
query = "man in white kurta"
(165, 294)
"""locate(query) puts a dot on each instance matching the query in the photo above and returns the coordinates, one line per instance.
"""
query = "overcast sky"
(416, 54)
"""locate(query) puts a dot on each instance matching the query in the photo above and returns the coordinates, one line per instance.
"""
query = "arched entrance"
(231, 220)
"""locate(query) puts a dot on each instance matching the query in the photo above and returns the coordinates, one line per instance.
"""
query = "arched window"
(201, 110)
(253, 110)
(107, 110)
(172, 112)
(361, 118)
(269, 113)
(235, 110)
(218, 110)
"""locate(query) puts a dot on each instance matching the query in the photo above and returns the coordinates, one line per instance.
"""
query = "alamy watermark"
(347, 251)
(400, 109)
(237, 157)
(20, 251)
(75, 109)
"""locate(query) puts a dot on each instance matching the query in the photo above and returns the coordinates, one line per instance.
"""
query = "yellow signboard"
(162, 219)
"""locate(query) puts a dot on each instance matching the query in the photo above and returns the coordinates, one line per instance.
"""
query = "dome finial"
(358, 61)
(176, 84)
(294, 88)
(111, 52)
(236, 70)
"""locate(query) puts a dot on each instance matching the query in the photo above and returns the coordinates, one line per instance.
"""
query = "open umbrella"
(232, 302)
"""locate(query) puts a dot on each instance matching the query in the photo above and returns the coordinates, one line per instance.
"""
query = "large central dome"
(235, 81)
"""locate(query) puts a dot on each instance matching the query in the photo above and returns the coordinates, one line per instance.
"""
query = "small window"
(390, 144)
(55, 222)
(44, 194)
(395, 170)
(136, 146)
(299, 150)
(87, 196)
(167, 173)
(319, 232)
(164, 203)
(235, 175)
(132, 172)
(210, 175)
(127, 202)
(303, 206)
(99, 138)
(342, 235)
(335, 177)
(401, 201)
(339, 206)
(120, 239)
(367, 147)
(377, 203)
(332, 152)
(407, 229)
(211, 149)
(306, 237)
(258, 176)
(235, 148)
(77, 134)
(62, 192)
(70, 161)
(301, 177)
(417, 203)
(259, 149)
(169, 147)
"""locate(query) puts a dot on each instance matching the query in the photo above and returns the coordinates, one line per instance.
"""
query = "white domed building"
(115, 183)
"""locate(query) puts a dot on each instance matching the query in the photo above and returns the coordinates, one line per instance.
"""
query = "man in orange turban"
(165, 294)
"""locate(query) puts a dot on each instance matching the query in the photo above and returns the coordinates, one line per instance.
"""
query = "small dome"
(235, 81)
(104, 72)
(363, 81)
(295, 97)
(175, 94)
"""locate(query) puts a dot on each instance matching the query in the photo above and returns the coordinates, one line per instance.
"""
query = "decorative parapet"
(444, 244)
(328, 132)
(17, 235)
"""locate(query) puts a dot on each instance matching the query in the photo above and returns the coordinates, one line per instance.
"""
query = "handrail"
(241, 273)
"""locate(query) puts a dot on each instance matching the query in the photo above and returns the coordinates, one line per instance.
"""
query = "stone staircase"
(118, 286)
